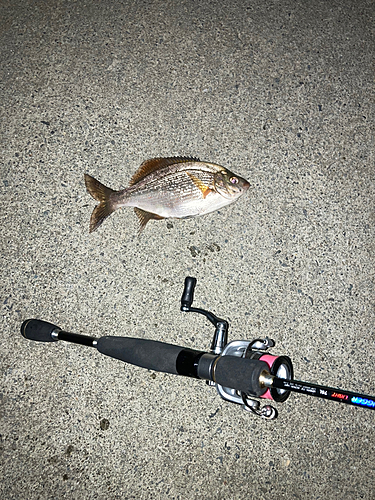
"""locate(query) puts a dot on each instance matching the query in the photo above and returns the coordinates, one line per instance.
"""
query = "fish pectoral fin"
(205, 190)
(144, 217)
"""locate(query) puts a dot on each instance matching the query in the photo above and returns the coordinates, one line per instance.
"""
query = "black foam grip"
(150, 354)
(240, 374)
(188, 293)
(36, 329)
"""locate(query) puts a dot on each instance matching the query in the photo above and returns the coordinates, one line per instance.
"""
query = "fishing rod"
(240, 370)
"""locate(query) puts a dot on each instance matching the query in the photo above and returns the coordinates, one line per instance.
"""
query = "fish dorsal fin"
(154, 164)
(144, 217)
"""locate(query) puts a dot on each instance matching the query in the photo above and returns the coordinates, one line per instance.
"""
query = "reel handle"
(188, 293)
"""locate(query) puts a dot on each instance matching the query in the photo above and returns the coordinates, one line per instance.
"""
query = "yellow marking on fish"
(205, 190)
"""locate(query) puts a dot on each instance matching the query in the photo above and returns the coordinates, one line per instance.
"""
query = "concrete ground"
(280, 93)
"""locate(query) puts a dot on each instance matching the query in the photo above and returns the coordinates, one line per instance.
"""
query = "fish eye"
(233, 180)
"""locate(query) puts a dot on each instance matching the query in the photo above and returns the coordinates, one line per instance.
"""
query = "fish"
(162, 188)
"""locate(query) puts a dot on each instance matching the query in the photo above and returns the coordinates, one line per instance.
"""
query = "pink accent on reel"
(269, 359)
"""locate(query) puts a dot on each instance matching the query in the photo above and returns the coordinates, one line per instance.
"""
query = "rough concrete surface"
(280, 92)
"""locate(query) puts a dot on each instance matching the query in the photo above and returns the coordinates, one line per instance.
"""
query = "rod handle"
(151, 354)
(36, 329)
(241, 374)
(229, 371)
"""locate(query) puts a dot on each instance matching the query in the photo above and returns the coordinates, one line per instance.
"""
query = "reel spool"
(280, 366)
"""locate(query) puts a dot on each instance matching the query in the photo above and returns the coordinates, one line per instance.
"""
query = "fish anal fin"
(205, 190)
(155, 164)
(144, 217)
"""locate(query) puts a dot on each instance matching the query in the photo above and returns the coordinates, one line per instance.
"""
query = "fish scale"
(171, 190)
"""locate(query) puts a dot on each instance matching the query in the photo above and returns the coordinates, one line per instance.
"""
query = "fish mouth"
(238, 189)
(245, 186)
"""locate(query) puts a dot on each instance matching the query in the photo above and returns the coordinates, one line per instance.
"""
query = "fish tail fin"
(102, 194)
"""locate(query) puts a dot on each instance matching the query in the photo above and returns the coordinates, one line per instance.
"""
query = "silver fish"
(168, 187)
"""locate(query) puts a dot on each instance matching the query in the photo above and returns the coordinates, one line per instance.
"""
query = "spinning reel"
(242, 371)
(278, 366)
